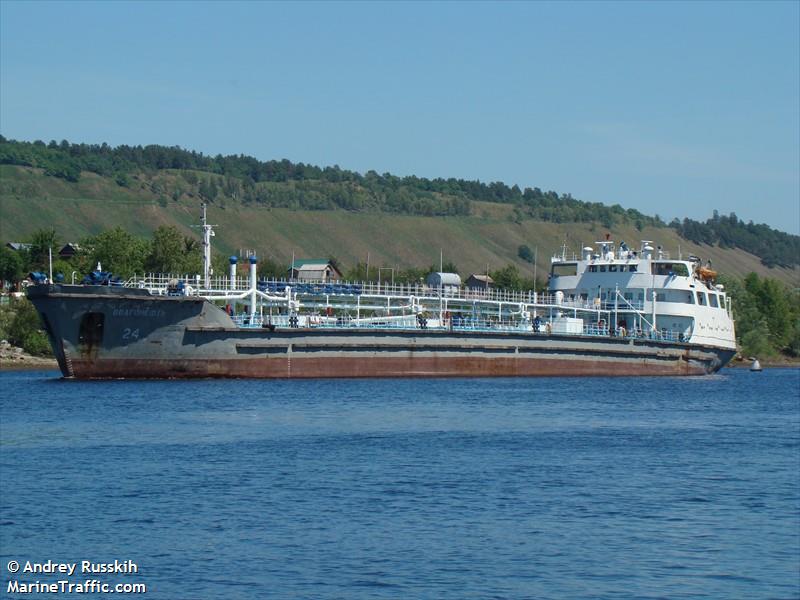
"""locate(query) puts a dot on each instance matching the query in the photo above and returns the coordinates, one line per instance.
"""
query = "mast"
(208, 233)
(653, 328)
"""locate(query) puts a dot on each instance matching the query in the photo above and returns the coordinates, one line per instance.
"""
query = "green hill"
(488, 233)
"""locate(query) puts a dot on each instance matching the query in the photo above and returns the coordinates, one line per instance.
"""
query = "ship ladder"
(67, 362)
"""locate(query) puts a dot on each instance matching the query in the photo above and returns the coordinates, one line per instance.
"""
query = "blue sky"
(673, 108)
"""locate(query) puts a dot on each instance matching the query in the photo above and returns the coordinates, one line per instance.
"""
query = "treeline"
(314, 188)
(169, 251)
(281, 183)
(116, 250)
(767, 315)
(775, 248)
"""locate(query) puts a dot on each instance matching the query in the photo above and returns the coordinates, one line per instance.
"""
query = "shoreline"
(766, 363)
(29, 363)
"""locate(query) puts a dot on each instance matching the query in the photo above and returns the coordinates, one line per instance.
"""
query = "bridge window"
(713, 300)
(701, 299)
(668, 268)
(677, 296)
(564, 269)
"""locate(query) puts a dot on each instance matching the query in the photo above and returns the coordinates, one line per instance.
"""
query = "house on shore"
(69, 250)
(446, 281)
(479, 282)
(18, 246)
(314, 269)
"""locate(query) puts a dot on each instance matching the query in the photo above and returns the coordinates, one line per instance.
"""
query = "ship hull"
(344, 367)
(99, 333)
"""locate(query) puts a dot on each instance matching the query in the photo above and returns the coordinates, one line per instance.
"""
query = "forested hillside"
(171, 174)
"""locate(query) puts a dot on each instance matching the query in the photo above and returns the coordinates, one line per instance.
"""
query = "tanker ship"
(607, 311)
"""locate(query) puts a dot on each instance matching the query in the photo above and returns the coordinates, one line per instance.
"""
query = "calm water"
(470, 488)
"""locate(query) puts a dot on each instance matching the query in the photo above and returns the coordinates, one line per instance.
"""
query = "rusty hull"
(342, 367)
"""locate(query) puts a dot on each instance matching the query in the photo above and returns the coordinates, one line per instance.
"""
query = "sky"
(671, 108)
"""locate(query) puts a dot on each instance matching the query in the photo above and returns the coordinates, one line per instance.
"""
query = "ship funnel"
(233, 272)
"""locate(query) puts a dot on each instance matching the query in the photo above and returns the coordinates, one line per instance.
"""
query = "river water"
(441, 488)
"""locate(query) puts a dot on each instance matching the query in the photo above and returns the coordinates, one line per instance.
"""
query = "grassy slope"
(30, 200)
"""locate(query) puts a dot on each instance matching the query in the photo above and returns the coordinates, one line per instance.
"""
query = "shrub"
(24, 329)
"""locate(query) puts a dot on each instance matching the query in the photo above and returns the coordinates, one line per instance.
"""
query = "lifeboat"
(706, 274)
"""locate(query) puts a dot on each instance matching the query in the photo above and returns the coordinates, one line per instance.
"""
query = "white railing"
(460, 309)
(466, 325)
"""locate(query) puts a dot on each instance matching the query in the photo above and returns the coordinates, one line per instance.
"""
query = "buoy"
(756, 366)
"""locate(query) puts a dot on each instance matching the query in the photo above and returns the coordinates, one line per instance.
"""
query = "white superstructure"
(646, 290)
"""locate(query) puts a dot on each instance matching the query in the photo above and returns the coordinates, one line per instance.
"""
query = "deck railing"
(185, 285)
(467, 325)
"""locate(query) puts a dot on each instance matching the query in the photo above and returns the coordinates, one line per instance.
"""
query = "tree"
(167, 251)
(208, 189)
(507, 278)
(770, 298)
(793, 347)
(448, 267)
(756, 343)
(767, 315)
(118, 251)
(24, 329)
(334, 261)
(62, 270)
(269, 268)
(525, 254)
(42, 241)
(10, 267)
(193, 258)
(358, 272)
